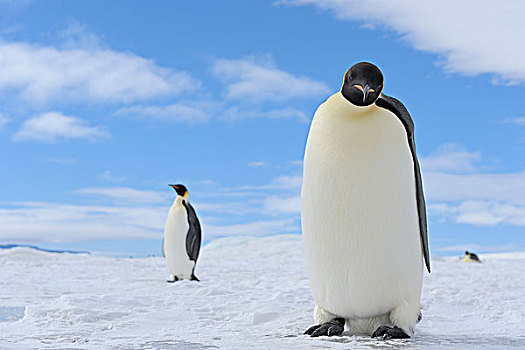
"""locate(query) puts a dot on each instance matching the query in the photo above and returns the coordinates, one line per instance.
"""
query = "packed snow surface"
(253, 294)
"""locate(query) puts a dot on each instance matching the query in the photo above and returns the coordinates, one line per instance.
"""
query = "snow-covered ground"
(254, 294)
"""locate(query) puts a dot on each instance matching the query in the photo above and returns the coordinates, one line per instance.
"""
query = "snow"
(254, 294)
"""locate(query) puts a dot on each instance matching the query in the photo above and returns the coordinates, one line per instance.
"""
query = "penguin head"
(362, 84)
(181, 190)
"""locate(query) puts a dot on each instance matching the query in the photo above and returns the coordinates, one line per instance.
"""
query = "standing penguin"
(363, 212)
(182, 237)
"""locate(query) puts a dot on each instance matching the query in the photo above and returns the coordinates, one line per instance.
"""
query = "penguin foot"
(390, 333)
(194, 278)
(175, 279)
(331, 328)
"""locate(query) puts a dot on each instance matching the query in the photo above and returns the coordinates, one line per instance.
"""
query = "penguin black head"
(180, 189)
(362, 84)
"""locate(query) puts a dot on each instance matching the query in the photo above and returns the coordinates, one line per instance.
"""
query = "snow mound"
(254, 294)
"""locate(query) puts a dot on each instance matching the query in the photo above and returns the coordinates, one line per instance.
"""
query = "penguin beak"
(175, 187)
(366, 90)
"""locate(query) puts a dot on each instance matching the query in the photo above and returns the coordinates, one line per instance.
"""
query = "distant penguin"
(363, 212)
(182, 237)
(471, 257)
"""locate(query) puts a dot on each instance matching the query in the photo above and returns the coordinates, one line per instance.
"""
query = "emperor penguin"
(363, 212)
(182, 237)
(471, 257)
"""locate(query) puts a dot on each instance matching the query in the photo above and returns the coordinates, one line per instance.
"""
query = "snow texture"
(254, 294)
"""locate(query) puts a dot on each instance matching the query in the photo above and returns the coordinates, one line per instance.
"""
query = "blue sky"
(102, 104)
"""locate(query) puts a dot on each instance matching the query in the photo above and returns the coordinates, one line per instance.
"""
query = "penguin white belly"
(359, 212)
(175, 233)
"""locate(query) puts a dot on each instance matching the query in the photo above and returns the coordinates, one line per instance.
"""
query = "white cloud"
(497, 187)
(284, 182)
(283, 204)
(236, 208)
(60, 223)
(289, 182)
(483, 213)
(190, 113)
(11, 29)
(256, 164)
(40, 74)
(478, 248)
(450, 157)
(518, 121)
(62, 161)
(53, 126)
(249, 82)
(242, 112)
(456, 189)
(77, 35)
(3, 120)
(125, 194)
(141, 214)
(255, 79)
(256, 228)
(280, 197)
(8, 6)
(471, 37)
(107, 176)
(203, 111)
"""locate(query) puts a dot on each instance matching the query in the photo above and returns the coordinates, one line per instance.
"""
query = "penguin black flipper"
(163, 249)
(396, 107)
(193, 238)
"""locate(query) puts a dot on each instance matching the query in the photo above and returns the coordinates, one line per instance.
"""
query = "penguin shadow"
(454, 341)
(365, 341)
(358, 341)
(174, 344)
(427, 341)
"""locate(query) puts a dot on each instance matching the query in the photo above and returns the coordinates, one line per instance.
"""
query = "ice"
(254, 294)
(11, 313)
